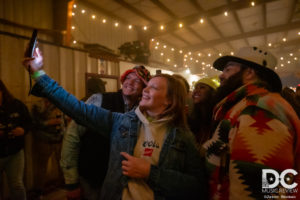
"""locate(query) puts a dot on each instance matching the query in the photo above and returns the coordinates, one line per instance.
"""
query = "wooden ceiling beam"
(172, 26)
(274, 29)
(134, 10)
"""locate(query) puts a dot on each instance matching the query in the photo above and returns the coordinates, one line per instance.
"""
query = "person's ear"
(249, 75)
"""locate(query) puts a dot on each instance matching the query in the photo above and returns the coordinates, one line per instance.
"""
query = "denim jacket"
(180, 171)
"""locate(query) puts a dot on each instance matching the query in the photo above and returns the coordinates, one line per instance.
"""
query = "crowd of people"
(154, 139)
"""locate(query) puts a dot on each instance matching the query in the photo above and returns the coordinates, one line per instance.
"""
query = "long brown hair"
(6, 95)
(176, 94)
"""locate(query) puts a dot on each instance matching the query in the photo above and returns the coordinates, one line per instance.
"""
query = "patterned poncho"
(255, 130)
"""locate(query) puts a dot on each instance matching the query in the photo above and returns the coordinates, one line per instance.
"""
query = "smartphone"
(32, 44)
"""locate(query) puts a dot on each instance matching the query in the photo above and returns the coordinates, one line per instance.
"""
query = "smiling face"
(201, 93)
(132, 85)
(154, 99)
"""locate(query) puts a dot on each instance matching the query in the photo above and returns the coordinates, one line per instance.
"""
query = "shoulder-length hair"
(176, 94)
(6, 95)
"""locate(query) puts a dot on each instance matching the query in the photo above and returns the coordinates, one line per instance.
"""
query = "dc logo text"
(277, 178)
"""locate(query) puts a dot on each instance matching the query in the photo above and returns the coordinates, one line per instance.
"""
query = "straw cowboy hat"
(257, 59)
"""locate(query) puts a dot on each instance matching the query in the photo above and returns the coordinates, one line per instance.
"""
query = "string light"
(168, 60)
(172, 49)
(73, 14)
(231, 53)
(190, 53)
(116, 24)
(281, 58)
(74, 41)
(180, 51)
(226, 13)
(93, 16)
(295, 58)
(291, 54)
(145, 28)
(282, 65)
(197, 61)
(209, 55)
(161, 54)
(187, 71)
(270, 44)
(82, 11)
(73, 27)
(130, 27)
(156, 47)
(299, 33)
(175, 65)
(199, 54)
(180, 25)
(157, 43)
(103, 21)
(74, 6)
(152, 39)
(284, 39)
(220, 54)
(252, 3)
(162, 27)
(165, 46)
(288, 62)
(201, 20)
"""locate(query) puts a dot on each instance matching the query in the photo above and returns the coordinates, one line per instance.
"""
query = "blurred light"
(197, 61)
(231, 53)
(270, 44)
(103, 21)
(145, 28)
(184, 59)
(220, 54)
(203, 63)
(203, 68)
(162, 27)
(116, 24)
(199, 54)
(185, 65)
(276, 68)
(82, 11)
(299, 33)
(281, 58)
(130, 27)
(226, 13)
(175, 65)
(191, 58)
(93, 16)
(180, 25)
(168, 60)
(185, 55)
(161, 54)
(74, 41)
(209, 55)
(172, 49)
(73, 14)
(288, 62)
(180, 51)
(157, 43)
(282, 65)
(156, 47)
(295, 58)
(73, 27)
(201, 20)
(74, 6)
(284, 39)
(190, 53)
(152, 39)
(291, 54)
(252, 3)
(187, 71)
(165, 46)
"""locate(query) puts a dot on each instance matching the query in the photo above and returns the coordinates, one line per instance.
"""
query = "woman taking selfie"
(152, 155)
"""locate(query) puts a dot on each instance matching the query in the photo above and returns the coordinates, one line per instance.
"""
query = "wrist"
(37, 74)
